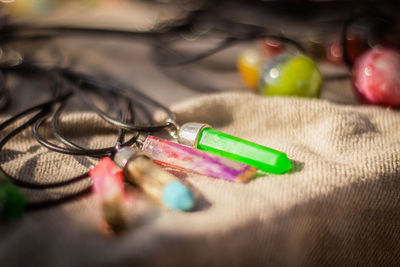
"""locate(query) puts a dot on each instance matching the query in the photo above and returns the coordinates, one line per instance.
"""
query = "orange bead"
(249, 65)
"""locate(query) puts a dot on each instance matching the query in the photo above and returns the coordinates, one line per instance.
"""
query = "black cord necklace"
(75, 85)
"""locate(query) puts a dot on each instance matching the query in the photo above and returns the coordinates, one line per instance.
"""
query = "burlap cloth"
(338, 207)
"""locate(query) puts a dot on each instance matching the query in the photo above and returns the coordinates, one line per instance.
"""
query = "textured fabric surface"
(339, 206)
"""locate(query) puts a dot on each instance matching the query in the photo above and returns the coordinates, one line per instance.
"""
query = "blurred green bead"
(291, 76)
(12, 201)
(3, 195)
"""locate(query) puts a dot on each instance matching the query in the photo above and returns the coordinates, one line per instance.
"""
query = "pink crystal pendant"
(108, 185)
(197, 161)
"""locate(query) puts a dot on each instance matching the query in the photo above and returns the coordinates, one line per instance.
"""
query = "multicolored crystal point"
(197, 161)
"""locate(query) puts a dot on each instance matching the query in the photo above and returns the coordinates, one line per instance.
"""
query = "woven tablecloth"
(340, 205)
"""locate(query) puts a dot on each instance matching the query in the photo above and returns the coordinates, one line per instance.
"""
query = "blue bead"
(177, 196)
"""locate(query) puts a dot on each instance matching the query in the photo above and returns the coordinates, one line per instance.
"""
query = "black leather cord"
(161, 50)
(73, 83)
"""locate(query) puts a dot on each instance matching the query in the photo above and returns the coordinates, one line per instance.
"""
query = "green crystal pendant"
(203, 137)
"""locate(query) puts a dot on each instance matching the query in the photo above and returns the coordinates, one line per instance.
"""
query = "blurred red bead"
(376, 77)
(355, 47)
(271, 48)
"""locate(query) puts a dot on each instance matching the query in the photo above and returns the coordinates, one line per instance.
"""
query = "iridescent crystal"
(184, 157)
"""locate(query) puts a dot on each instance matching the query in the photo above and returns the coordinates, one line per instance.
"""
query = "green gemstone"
(264, 158)
(12, 201)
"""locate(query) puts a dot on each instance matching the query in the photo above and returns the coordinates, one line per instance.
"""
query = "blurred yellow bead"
(28, 7)
(249, 65)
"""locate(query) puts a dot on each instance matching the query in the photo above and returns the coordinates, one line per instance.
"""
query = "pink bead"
(376, 77)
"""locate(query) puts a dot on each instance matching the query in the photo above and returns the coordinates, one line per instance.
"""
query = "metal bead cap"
(122, 156)
(189, 133)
